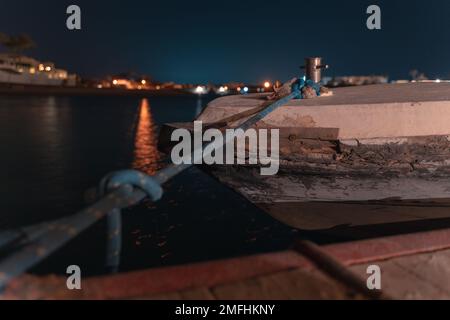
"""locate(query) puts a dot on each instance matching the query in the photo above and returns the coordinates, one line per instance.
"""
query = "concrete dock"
(367, 112)
(368, 155)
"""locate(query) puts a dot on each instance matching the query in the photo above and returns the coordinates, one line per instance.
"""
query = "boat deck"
(413, 266)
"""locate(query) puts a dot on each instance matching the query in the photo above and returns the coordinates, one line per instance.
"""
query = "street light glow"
(200, 90)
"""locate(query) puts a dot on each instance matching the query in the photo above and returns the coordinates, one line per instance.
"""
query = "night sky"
(219, 41)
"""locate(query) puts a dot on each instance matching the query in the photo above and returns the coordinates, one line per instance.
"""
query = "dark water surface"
(55, 148)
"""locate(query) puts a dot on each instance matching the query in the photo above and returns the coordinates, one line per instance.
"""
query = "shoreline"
(9, 89)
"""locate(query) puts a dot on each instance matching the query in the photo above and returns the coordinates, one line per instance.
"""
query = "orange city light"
(267, 84)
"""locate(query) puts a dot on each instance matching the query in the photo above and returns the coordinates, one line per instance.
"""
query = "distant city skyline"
(216, 41)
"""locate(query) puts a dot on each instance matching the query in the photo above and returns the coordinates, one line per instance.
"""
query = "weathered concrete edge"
(356, 121)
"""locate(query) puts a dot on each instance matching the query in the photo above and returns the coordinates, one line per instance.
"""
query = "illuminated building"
(28, 71)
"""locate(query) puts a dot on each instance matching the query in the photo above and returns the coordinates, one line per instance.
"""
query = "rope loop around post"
(114, 180)
(136, 179)
(301, 83)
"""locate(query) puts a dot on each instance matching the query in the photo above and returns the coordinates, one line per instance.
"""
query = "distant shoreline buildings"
(21, 70)
(347, 81)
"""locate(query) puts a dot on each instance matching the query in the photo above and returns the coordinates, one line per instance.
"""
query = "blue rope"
(148, 184)
(114, 219)
(302, 83)
(117, 191)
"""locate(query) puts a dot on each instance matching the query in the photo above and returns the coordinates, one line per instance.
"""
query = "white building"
(28, 71)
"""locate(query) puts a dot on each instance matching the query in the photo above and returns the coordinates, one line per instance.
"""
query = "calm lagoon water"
(55, 148)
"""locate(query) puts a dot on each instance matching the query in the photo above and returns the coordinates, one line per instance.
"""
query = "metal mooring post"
(313, 68)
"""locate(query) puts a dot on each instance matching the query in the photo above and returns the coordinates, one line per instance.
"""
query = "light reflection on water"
(146, 155)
